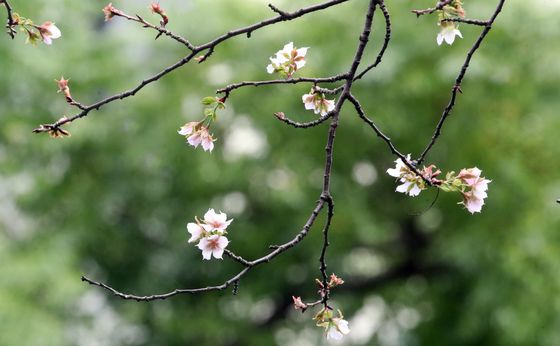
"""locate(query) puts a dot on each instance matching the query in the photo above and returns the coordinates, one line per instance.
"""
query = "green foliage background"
(113, 200)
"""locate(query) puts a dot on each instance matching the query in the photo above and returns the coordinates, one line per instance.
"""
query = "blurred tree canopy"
(113, 200)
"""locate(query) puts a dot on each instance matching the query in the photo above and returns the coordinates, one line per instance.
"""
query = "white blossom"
(197, 231)
(447, 33)
(287, 60)
(213, 245)
(337, 329)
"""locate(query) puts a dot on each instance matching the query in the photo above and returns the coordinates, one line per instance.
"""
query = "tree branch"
(209, 47)
(439, 6)
(457, 87)
(10, 22)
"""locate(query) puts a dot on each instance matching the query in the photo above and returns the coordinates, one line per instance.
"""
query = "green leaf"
(208, 100)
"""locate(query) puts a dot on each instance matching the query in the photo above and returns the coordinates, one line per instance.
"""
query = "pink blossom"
(472, 202)
(217, 221)
(207, 141)
(298, 304)
(196, 135)
(335, 281)
(188, 128)
(213, 245)
(473, 199)
(48, 32)
(318, 103)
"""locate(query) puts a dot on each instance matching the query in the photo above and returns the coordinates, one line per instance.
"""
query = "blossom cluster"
(449, 29)
(210, 234)
(335, 327)
(289, 60)
(469, 183)
(45, 32)
(197, 132)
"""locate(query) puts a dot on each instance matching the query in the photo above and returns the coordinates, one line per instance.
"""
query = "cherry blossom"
(410, 188)
(110, 12)
(207, 141)
(197, 231)
(188, 128)
(337, 329)
(218, 221)
(49, 32)
(197, 134)
(473, 199)
(157, 9)
(335, 281)
(213, 245)
(64, 88)
(288, 60)
(447, 33)
(317, 102)
(412, 184)
(298, 304)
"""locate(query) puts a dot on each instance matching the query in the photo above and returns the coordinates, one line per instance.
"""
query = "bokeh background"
(113, 200)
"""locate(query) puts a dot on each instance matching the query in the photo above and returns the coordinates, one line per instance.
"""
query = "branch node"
(277, 10)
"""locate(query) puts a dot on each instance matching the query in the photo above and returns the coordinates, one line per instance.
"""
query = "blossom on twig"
(210, 234)
(317, 102)
(287, 60)
(473, 199)
(447, 33)
(48, 32)
(412, 184)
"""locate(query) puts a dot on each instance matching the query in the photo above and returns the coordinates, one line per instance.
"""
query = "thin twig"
(10, 23)
(384, 137)
(234, 279)
(161, 30)
(457, 86)
(208, 47)
(282, 117)
(439, 6)
(467, 21)
(385, 42)
(228, 89)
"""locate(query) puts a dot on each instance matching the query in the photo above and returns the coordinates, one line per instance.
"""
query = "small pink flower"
(213, 245)
(196, 135)
(217, 221)
(335, 281)
(317, 102)
(157, 9)
(298, 304)
(473, 199)
(207, 141)
(472, 202)
(110, 12)
(48, 32)
(188, 128)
